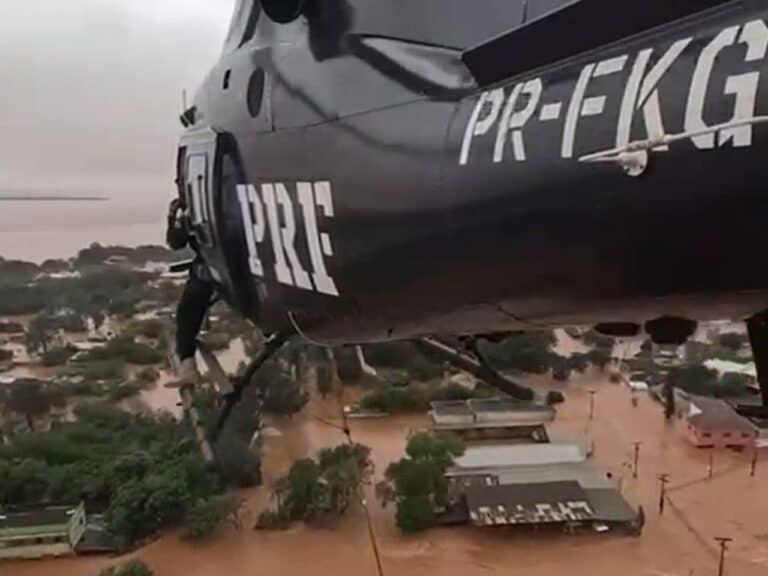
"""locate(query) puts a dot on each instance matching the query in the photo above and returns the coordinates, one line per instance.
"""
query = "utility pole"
(636, 459)
(710, 466)
(723, 548)
(592, 403)
(753, 464)
(663, 481)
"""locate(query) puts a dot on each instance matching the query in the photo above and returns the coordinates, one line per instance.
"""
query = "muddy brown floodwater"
(679, 543)
(161, 398)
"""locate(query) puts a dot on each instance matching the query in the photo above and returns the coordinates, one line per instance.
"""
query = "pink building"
(712, 423)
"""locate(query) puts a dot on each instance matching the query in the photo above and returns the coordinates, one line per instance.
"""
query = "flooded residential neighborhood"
(681, 542)
(383, 288)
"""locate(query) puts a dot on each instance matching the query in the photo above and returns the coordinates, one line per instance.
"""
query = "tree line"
(143, 470)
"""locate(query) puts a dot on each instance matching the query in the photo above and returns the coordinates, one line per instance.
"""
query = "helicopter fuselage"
(370, 189)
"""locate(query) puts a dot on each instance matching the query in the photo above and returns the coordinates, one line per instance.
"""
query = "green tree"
(282, 395)
(57, 356)
(529, 352)
(415, 513)
(17, 271)
(149, 328)
(325, 486)
(301, 487)
(734, 383)
(131, 568)
(695, 379)
(206, 516)
(53, 265)
(599, 357)
(578, 362)
(733, 341)
(348, 365)
(561, 369)
(403, 356)
(39, 334)
(30, 398)
(419, 479)
(395, 400)
(68, 322)
(125, 349)
(435, 448)
(144, 468)
(343, 468)
(238, 464)
(96, 370)
(23, 482)
(18, 299)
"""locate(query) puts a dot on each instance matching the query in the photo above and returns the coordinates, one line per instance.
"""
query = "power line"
(348, 434)
(636, 459)
(663, 481)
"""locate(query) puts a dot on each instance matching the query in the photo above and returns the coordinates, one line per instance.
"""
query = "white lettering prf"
(513, 121)
(288, 233)
(318, 244)
(274, 209)
(744, 86)
(478, 126)
(252, 213)
(282, 271)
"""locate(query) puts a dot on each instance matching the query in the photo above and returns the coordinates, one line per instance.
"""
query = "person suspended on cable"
(195, 299)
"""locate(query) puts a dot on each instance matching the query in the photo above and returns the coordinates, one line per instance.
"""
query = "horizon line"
(49, 198)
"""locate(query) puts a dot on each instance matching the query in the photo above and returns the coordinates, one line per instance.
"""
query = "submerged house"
(54, 531)
(493, 418)
(712, 423)
(534, 484)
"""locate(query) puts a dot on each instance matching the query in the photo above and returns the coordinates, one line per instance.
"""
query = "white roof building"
(487, 456)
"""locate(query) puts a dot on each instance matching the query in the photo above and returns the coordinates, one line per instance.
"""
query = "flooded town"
(609, 436)
(383, 287)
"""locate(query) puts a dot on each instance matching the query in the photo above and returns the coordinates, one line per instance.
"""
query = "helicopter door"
(197, 198)
(196, 174)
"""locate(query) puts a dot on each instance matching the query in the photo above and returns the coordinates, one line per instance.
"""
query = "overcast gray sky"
(90, 91)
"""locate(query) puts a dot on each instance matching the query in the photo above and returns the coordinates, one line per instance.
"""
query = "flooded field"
(679, 543)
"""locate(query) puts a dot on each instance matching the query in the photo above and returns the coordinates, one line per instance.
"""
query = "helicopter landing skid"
(757, 327)
(477, 366)
(271, 346)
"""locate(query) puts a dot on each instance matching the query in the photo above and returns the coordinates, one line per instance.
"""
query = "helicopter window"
(448, 23)
(197, 197)
(243, 25)
(255, 92)
(250, 25)
(283, 11)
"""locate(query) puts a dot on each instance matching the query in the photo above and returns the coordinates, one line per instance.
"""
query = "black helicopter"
(367, 170)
